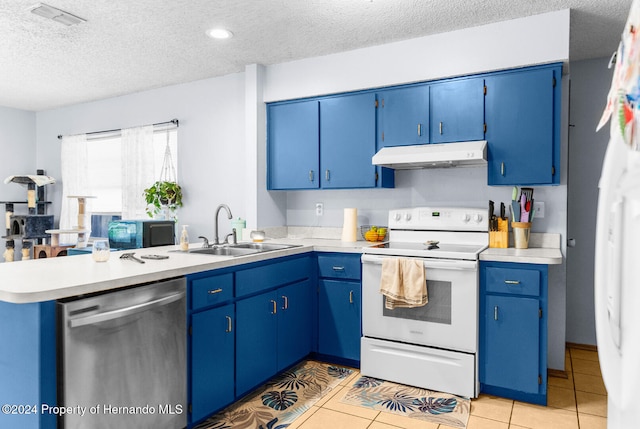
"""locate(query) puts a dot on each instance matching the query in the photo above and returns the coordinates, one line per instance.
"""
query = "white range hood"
(461, 154)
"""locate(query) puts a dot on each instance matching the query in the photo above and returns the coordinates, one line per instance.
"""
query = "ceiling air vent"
(57, 15)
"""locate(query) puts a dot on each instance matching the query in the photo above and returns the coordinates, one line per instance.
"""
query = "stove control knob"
(477, 218)
(396, 217)
(407, 217)
(465, 218)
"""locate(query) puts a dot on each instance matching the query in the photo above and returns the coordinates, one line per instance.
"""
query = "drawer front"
(513, 281)
(257, 279)
(339, 266)
(213, 290)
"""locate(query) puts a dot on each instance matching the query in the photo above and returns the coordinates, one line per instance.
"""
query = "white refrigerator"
(617, 257)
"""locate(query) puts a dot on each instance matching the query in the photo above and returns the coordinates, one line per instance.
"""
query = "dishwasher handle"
(126, 311)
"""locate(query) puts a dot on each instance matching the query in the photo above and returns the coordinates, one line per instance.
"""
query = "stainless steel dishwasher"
(122, 358)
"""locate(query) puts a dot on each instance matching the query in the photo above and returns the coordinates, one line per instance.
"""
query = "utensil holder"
(521, 234)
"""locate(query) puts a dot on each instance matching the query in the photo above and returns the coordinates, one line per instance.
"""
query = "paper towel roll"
(350, 227)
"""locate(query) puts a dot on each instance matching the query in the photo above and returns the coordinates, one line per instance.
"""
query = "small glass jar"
(100, 250)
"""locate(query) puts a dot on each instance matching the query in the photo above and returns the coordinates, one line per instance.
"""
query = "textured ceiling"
(128, 46)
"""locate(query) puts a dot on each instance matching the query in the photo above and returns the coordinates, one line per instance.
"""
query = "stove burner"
(432, 244)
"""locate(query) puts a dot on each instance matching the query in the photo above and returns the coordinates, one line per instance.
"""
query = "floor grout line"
(573, 381)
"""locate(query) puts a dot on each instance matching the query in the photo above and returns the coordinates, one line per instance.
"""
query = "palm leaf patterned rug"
(282, 399)
(413, 402)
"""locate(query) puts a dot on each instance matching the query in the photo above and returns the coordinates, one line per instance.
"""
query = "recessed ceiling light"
(220, 33)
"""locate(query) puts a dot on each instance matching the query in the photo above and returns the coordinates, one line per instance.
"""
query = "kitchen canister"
(521, 234)
(349, 226)
(239, 224)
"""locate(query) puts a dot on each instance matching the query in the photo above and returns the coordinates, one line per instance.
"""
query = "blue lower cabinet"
(339, 306)
(256, 340)
(513, 331)
(28, 363)
(339, 326)
(213, 360)
(294, 323)
(274, 332)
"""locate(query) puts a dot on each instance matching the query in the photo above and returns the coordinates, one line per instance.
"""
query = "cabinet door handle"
(419, 129)
(229, 325)
(440, 127)
(502, 168)
(310, 175)
(214, 291)
(338, 268)
(327, 175)
(285, 303)
(350, 297)
(275, 307)
(512, 282)
(495, 313)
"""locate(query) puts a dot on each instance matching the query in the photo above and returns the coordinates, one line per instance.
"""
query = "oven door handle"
(445, 264)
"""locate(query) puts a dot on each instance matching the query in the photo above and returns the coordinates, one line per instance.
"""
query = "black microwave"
(135, 234)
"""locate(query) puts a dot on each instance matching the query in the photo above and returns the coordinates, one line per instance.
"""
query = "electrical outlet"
(319, 209)
(538, 206)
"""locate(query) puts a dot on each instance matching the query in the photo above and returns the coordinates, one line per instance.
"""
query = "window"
(104, 162)
(115, 168)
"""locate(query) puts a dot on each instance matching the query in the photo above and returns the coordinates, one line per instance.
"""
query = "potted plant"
(163, 195)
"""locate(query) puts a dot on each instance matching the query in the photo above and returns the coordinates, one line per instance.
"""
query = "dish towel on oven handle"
(403, 283)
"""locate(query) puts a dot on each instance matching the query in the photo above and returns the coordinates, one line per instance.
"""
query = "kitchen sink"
(242, 249)
(263, 247)
(223, 251)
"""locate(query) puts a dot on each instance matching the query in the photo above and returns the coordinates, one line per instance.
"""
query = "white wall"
(519, 42)
(211, 141)
(17, 149)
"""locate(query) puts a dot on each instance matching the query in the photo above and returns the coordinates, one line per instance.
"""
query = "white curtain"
(137, 170)
(73, 164)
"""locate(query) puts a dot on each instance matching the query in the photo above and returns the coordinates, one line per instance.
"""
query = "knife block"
(500, 238)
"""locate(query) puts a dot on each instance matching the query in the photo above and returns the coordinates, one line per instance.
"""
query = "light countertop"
(543, 249)
(54, 278)
(48, 279)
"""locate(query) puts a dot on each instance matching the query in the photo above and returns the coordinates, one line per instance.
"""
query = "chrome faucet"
(215, 231)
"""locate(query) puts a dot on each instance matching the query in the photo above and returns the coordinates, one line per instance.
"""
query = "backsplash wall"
(433, 187)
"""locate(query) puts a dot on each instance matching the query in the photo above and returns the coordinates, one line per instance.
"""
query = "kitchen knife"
(491, 216)
(502, 211)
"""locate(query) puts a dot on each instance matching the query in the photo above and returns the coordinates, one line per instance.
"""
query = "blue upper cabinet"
(292, 151)
(403, 116)
(348, 141)
(323, 143)
(457, 110)
(523, 126)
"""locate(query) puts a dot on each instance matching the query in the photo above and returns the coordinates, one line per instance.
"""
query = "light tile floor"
(577, 402)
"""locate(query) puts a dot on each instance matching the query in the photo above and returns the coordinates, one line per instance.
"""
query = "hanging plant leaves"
(162, 194)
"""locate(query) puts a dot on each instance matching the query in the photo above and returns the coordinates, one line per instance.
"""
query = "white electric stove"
(434, 346)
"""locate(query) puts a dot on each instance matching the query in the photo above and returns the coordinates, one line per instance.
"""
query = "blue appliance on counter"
(135, 234)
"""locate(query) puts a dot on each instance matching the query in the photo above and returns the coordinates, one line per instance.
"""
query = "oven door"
(450, 318)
